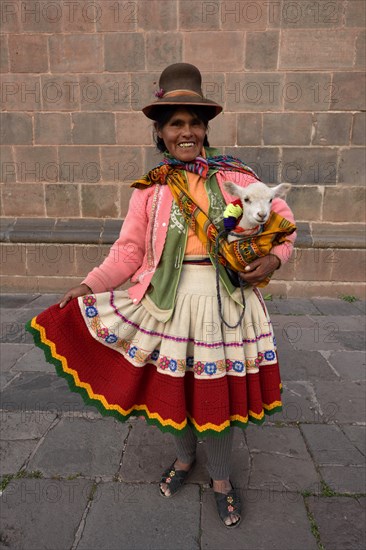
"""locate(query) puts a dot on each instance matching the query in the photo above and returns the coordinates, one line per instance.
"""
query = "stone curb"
(106, 231)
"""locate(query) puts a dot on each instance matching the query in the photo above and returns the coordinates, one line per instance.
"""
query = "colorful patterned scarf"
(201, 165)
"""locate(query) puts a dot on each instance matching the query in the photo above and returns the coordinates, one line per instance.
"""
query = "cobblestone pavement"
(75, 480)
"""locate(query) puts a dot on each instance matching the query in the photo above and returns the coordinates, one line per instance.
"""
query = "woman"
(160, 349)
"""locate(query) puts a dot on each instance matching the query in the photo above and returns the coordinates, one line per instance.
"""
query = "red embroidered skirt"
(190, 370)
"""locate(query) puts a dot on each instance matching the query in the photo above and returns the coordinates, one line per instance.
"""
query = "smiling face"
(183, 135)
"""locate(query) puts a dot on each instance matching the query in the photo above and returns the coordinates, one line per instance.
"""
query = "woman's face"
(183, 135)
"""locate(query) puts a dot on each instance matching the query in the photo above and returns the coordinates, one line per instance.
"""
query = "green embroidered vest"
(160, 297)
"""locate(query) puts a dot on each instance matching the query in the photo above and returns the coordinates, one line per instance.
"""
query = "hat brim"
(213, 109)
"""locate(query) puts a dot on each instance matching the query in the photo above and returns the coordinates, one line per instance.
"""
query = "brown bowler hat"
(180, 84)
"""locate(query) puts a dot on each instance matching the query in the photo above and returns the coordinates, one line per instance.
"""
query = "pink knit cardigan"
(138, 249)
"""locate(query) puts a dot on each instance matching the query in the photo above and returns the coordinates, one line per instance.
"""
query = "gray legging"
(218, 450)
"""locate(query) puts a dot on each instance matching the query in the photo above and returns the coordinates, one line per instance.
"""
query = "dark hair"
(165, 114)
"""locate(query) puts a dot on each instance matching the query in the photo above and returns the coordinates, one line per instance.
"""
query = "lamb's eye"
(270, 200)
(247, 200)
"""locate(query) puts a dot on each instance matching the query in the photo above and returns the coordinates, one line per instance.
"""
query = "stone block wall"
(290, 75)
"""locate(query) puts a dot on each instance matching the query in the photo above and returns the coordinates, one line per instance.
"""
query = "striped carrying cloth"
(237, 254)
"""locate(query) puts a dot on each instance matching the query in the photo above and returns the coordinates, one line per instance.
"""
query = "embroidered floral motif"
(216, 206)
(181, 365)
(141, 356)
(269, 355)
(176, 219)
(238, 366)
(102, 332)
(229, 365)
(155, 355)
(95, 323)
(173, 365)
(132, 351)
(210, 368)
(199, 367)
(220, 364)
(91, 312)
(111, 339)
(89, 300)
(164, 363)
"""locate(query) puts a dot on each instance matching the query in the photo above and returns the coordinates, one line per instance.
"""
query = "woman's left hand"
(259, 270)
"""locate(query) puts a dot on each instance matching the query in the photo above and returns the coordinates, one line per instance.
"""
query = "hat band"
(179, 92)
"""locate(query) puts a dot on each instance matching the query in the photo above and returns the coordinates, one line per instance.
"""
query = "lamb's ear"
(233, 189)
(281, 190)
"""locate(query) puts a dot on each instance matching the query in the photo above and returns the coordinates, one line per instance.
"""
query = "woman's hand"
(75, 292)
(259, 270)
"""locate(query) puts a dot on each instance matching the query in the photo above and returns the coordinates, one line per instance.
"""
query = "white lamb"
(256, 200)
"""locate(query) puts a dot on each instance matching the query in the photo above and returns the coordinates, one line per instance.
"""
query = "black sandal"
(228, 504)
(174, 478)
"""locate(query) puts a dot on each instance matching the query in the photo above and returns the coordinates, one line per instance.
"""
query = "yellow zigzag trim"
(155, 416)
(272, 405)
(259, 416)
(221, 427)
(89, 390)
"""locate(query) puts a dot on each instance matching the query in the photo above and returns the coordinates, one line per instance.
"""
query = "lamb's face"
(257, 201)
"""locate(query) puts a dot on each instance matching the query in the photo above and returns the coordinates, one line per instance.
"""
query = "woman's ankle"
(222, 485)
(180, 465)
